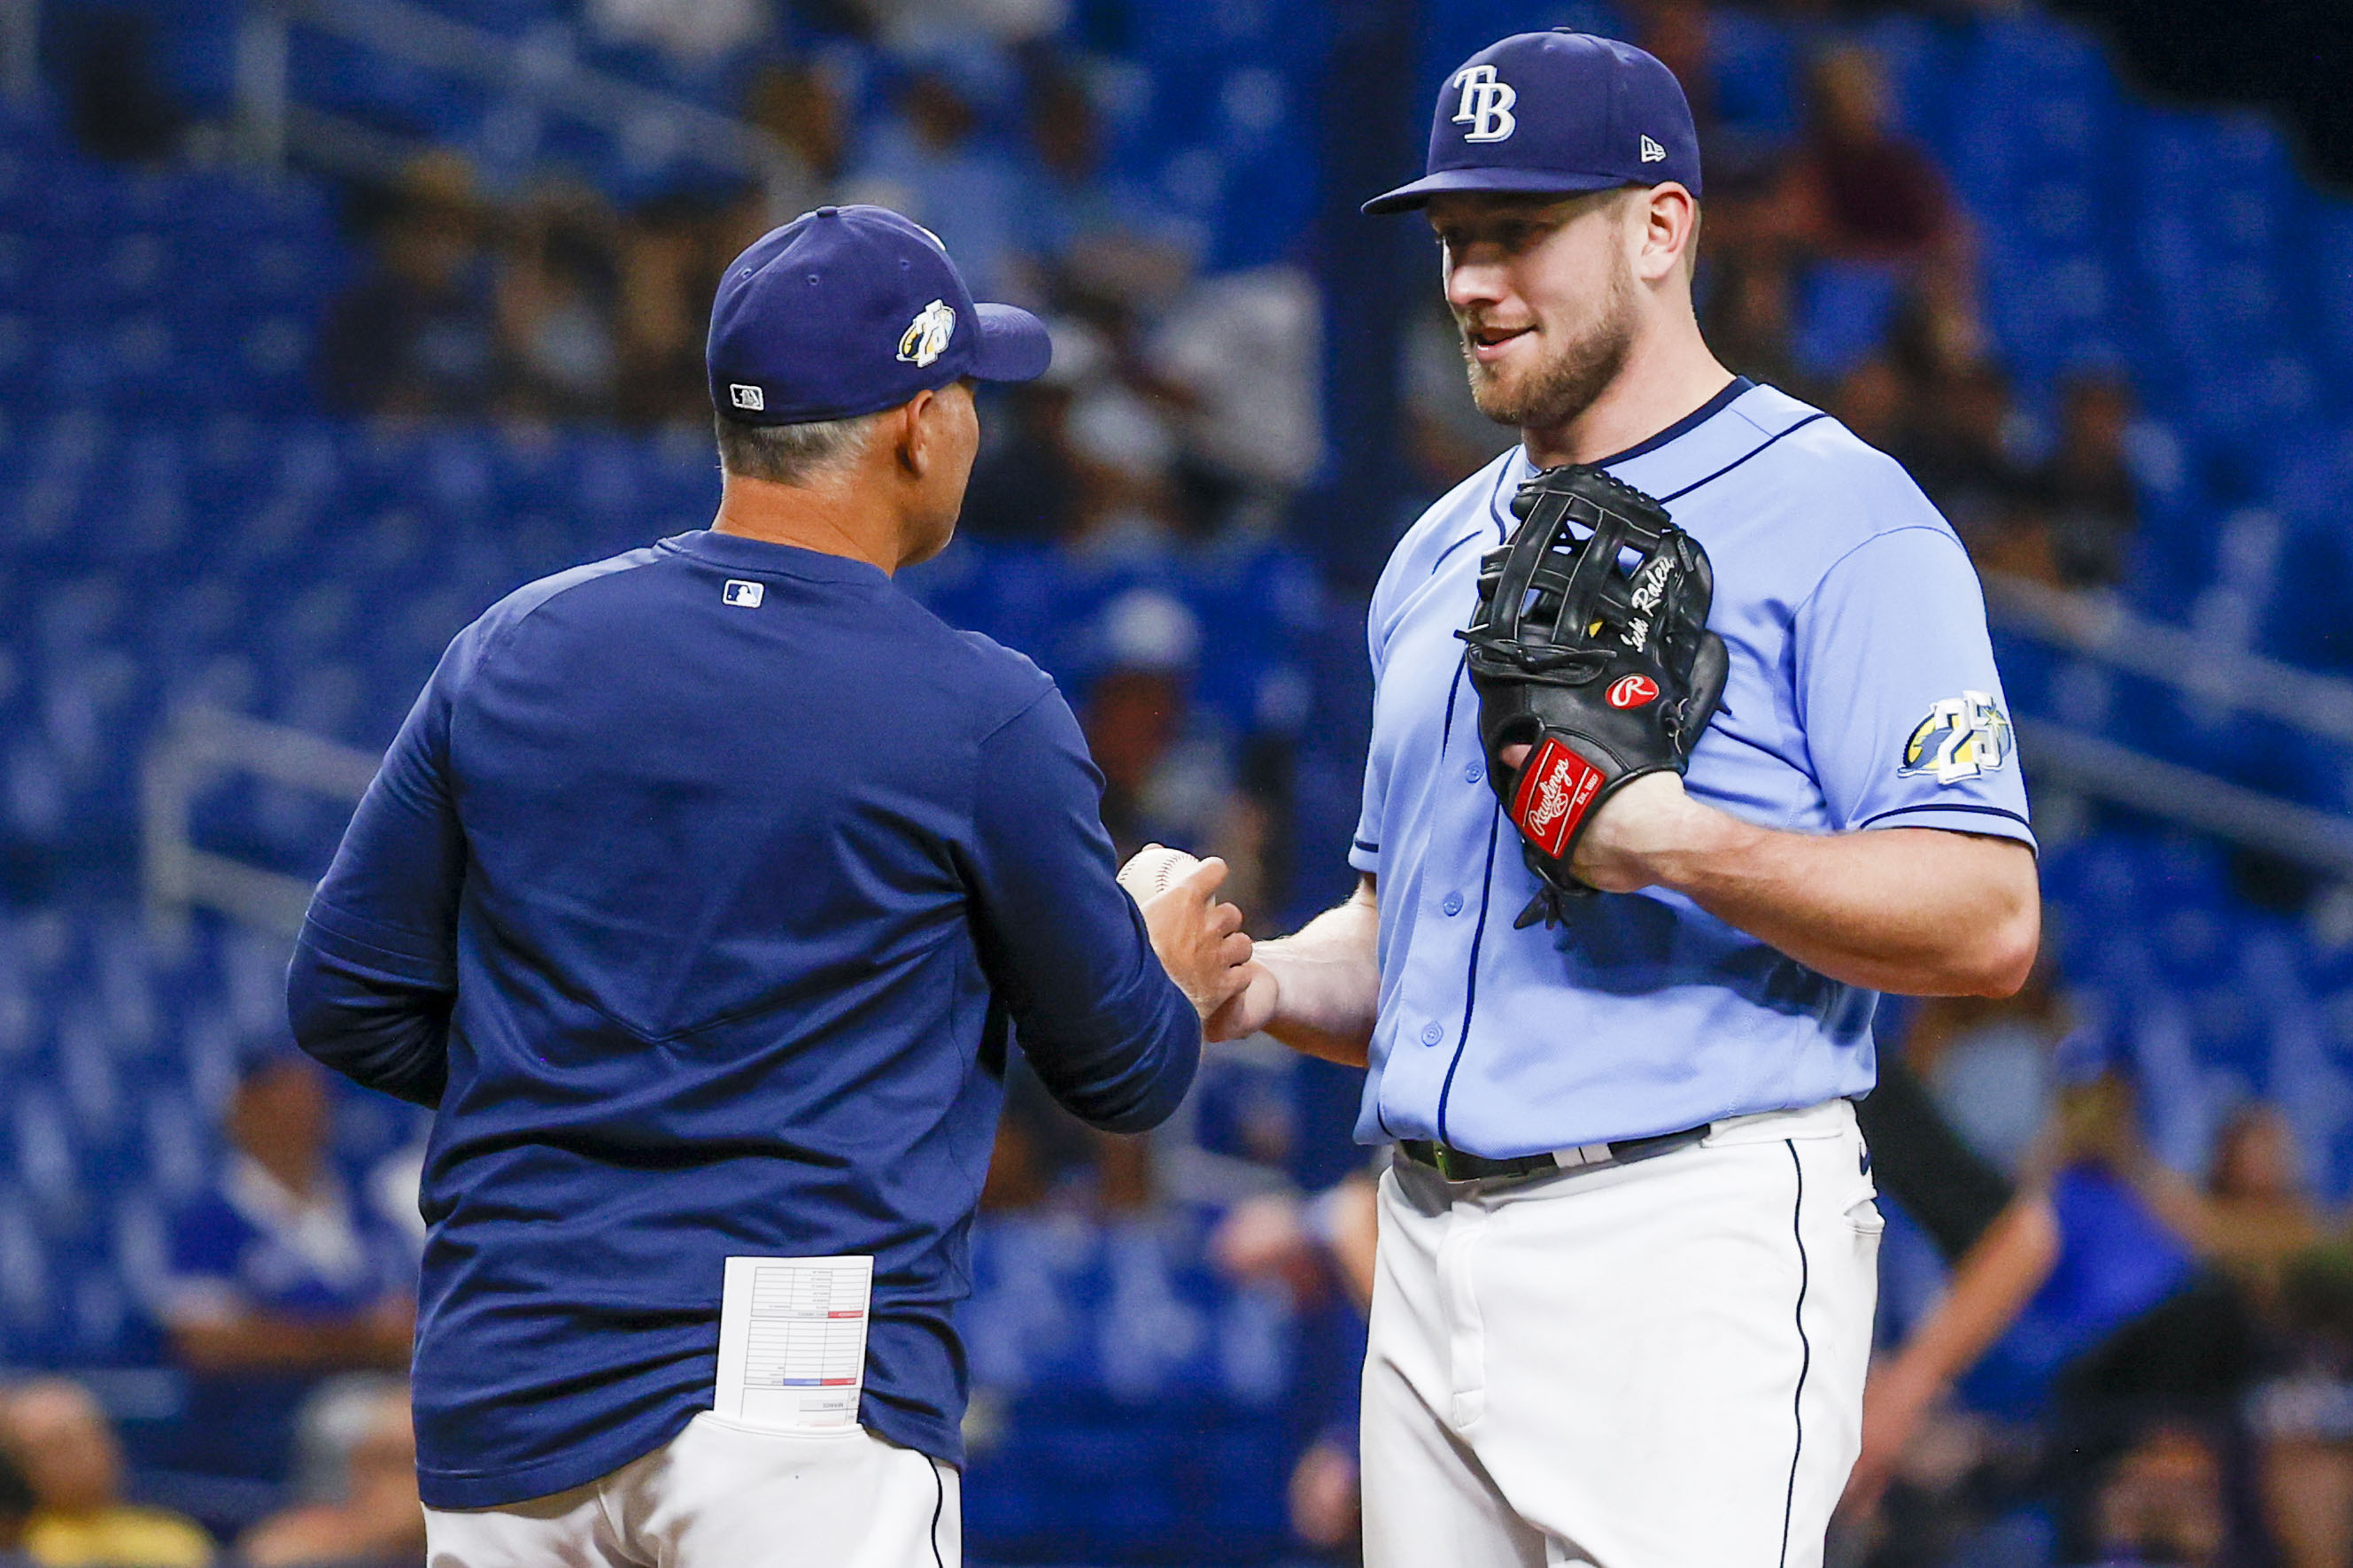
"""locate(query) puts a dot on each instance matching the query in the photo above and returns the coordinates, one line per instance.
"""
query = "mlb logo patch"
(747, 594)
(744, 397)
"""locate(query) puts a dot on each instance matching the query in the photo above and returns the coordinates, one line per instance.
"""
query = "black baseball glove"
(1589, 646)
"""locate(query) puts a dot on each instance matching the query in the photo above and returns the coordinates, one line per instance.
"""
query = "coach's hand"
(1200, 941)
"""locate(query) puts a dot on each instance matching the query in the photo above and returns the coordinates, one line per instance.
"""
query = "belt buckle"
(1444, 1156)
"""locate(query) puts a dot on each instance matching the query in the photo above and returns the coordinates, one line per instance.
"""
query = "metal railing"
(2221, 677)
(541, 72)
(203, 748)
(2224, 678)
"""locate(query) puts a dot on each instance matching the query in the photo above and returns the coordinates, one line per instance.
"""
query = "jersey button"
(1453, 904)
(1433, 1033)
(1473, 773)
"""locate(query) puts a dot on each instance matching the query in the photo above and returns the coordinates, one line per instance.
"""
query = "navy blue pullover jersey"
(699, 893)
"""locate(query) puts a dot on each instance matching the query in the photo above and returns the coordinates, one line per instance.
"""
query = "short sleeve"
(1364, 849)
(1901, 704)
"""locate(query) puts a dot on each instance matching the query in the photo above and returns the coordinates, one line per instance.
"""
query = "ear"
(1666, 224)
(919, 433)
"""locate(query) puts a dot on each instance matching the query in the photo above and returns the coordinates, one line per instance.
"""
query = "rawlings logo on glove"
(1555, 791)
(1604, 672)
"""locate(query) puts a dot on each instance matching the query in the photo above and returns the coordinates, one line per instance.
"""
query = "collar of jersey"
(737, 553)
(1522, 468)
(1732, 394)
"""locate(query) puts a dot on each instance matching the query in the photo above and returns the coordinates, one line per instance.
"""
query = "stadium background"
(324, 323)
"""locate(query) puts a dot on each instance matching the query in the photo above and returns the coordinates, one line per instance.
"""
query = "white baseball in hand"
(1153, 869)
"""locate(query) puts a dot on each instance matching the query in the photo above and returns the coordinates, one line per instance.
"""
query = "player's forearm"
(1917, 911)
(1328, 981)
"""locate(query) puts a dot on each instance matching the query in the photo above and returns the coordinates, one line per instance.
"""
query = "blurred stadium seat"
(180, 524)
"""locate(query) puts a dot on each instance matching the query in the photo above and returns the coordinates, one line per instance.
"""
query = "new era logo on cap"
(1652, 152)
(745, 397)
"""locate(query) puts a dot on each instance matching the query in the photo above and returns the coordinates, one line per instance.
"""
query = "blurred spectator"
(1988, 1060)
(17, 1505)
(668, 256)
(557, 300)
(70, 1457)
(364, 1512)
(2255, 1213)
(416, 336)
(1309, 1245)
(693, 33)
(280, 1275)
(2304, 1415)
(1677, 33)
(1738, 140)
(1245, 348)
(1125, 458)
(931, 162)
(1167, 779)
(1861, 194)
(2087, 486)
(1745, 315)
(1018, 1177)
(1027, 487)
(799, 104)
(2145, 1334)
(1316, 1249)
(1961, 451)
(2162, 1504)
(1065, 198)
(1858, 189)
(1078, 219)
(1126, 1178)
(1873, 401)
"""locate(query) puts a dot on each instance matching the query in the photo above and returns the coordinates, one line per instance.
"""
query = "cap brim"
(1013, 345)
(1495, 182)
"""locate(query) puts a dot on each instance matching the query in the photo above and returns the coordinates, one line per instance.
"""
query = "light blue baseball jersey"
(1861, 695)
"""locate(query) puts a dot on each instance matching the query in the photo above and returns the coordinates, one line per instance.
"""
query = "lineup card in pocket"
(792, 1342)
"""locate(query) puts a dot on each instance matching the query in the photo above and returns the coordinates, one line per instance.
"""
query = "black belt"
(1458, 1167)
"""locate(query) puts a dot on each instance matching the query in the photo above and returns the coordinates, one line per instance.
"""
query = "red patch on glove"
(1557, 789)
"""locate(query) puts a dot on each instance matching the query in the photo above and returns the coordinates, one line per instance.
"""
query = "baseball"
(1151, 870)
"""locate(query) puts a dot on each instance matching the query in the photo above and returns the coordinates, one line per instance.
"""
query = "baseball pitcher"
(1687, 742)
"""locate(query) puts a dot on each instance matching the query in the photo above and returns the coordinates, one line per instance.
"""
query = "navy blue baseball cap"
(849, 311)
(1558, 111)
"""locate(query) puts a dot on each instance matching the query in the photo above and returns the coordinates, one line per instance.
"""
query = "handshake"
(1199, 939)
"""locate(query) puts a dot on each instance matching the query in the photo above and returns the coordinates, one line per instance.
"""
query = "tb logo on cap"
(1486, 104)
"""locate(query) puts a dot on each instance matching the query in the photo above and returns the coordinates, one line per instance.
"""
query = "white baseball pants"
(719, 1495)
(1652, 1365)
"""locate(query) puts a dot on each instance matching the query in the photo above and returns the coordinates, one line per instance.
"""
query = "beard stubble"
(1564, 387)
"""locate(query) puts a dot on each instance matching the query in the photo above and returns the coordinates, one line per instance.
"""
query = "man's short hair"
(790, 454)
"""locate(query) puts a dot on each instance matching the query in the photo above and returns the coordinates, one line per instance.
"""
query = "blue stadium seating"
(1134, 1406)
